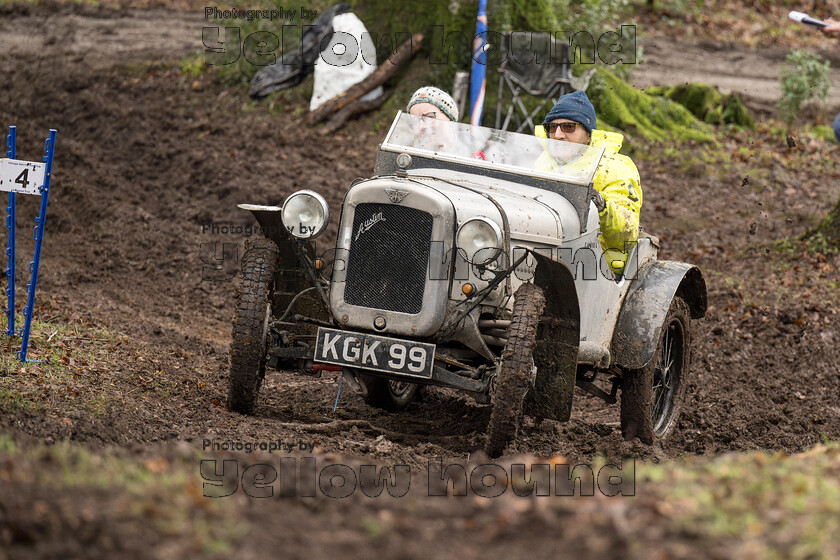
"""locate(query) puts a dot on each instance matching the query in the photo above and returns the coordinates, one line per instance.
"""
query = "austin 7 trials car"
(460, 263)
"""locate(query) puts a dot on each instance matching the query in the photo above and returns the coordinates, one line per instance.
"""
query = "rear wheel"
(250, 325)
(516, 372)
(388, 394)
(651, 398)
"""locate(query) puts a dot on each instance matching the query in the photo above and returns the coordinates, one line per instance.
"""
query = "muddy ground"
(147, 158)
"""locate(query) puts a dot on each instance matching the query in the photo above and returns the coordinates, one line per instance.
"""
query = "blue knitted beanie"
(574, 106)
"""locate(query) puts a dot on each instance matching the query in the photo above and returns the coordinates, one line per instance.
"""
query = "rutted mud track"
(145, 157)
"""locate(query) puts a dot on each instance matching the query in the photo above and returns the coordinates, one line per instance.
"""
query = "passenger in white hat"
(433, 103)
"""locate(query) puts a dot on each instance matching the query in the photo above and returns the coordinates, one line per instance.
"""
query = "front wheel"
(651, 397)
(250, 325)
(517, 369)
(387, 394)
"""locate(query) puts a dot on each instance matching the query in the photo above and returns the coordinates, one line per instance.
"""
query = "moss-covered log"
(707, 103)
(633, 111)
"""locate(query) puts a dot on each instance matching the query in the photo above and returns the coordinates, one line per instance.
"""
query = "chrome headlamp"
(481, 239)
(305, 214)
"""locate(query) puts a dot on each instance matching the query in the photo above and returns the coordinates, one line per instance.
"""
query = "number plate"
(24, 177)
(377, 353)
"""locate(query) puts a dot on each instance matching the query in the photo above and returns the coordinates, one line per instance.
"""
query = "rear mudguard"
(557, 343)
(646, 305)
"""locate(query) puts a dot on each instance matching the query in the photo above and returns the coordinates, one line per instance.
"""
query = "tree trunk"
(404, 53)
(355, 108)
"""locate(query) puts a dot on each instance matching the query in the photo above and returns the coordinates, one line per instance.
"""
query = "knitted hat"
(436, 97)
(574, 106)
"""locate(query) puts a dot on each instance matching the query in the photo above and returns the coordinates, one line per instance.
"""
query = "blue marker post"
(25, 177)
(10, 250)
(49, 147)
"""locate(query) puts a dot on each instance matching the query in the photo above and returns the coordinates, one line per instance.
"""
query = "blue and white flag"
(478, 80)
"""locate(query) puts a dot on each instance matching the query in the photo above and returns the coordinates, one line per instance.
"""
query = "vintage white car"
(460, 263)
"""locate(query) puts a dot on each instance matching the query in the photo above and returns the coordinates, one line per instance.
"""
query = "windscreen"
(489, 148)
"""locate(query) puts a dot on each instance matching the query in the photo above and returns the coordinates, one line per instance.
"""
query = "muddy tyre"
(388, 394)
(515, 374)
(651, 398)
(250, 325)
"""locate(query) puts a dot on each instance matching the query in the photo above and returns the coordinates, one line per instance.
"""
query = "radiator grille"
(389, 258)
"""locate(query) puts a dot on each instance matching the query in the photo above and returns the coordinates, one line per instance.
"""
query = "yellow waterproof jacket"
(617, 179)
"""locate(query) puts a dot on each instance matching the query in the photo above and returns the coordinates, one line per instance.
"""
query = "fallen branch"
(355, 108)
(407, 50)
(338, 427)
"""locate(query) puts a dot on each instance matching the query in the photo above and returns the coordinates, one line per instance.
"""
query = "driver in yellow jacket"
(618, 189)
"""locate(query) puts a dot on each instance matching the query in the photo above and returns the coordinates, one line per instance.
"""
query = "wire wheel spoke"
(399, 388)
(666, 377)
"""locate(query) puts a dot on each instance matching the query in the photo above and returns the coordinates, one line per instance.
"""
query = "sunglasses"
(565, 127)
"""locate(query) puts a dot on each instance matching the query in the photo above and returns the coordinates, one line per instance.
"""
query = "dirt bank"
(147, 158)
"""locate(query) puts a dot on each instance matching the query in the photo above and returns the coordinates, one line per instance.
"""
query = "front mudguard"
(647, 302)
(294, 273)
(272, 227)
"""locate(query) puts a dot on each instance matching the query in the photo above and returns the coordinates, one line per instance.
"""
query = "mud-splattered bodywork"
(397, 269)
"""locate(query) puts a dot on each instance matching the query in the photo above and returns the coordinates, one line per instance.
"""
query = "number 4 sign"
(25, 177)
